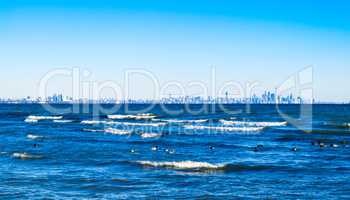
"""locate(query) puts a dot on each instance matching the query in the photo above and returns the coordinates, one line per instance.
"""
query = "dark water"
(305, 159)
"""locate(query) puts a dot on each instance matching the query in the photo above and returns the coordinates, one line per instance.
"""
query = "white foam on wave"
(117, 131)
(25, 156)
(92, 122)
(31, 120)
(62, 121)
(225, 128)
(34, 137)
(183, 121)
(92, 130)
(246, 123)
(118, 116)
(137, 117)
(137, 124)
(150, 135)
(181, 165)
(37, 118)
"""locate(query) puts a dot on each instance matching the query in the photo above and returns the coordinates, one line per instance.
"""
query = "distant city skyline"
(263, 41)
(268, 97)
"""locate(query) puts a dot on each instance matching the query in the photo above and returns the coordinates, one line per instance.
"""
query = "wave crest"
(137, 124)
(117, 131)
(34, 119)
(34, 137)
(137, 117)
(183, 121)
(62, 121)
(225, 128)
(92, 130)
(25, 156)
(181, 165)
(31, 120)
(206, 167)
(258, 124)
(150, 135)
(92, 122)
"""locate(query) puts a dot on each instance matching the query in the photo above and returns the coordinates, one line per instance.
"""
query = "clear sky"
(264, 41)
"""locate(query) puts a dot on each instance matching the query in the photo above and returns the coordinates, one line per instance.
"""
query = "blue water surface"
(308, 158)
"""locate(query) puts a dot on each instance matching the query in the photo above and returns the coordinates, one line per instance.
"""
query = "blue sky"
(264, 41)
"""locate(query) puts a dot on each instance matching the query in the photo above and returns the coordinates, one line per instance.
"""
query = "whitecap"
(150, 135)
(259, 124)
(119, 116)
(186, 121)
(92, 130)
(32, 117)
(62, 121)
(145, 116)
(181, 165)
(30, 120)
(34, 137)
(25, 156)
(117, 131)
(225, 128)
(92, 122)
(137, 117)
(137, 124)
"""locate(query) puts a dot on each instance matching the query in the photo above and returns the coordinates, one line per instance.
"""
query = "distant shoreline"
(244, 104)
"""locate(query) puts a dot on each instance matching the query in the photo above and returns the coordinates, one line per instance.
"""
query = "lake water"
(210, 152)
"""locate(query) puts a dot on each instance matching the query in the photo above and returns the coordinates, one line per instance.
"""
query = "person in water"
(258, 148)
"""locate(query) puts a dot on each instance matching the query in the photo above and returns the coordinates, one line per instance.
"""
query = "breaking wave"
(117, 131)
(150, 135)
(92, 122)
(110, 130)
(225, 128)
(33, 119)
(62, 121)
(205, 166)
(25, 156)
(181, 165)
(34, 137)
(137, 124)
(184, 121)
(258, 124)
(92, 130)
(44, 117)
(137, 117)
